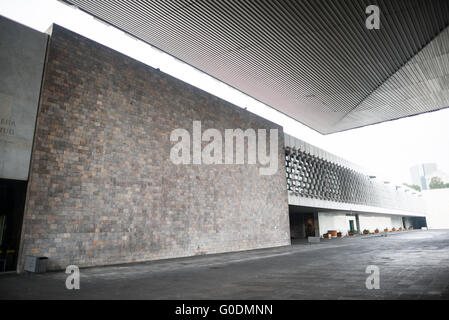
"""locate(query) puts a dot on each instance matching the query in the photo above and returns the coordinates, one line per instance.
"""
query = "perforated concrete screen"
(313, 174)
(310, 176)
(314, 60)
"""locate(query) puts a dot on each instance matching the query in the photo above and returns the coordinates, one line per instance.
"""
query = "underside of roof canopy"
(313, 60)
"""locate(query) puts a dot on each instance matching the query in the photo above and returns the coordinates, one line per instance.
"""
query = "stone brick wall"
(102, 188)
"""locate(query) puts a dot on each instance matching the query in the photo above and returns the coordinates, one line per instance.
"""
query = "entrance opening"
(303, 223)
(414, 222)
(418, 222)
(12, 204)
(351, 226)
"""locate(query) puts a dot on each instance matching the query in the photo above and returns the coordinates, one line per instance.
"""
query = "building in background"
(422, 174)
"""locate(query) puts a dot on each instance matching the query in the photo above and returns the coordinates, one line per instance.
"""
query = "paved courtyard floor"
(412, 265)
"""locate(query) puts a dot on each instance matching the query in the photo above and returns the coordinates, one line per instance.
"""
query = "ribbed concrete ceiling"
(313, 60)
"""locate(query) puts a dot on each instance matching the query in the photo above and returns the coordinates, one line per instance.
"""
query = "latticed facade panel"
(312, 177)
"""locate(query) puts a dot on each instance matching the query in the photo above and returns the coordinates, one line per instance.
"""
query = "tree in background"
(413, 186)
(437, 183)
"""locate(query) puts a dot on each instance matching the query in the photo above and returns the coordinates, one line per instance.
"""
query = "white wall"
(333, 221)
(340, 222)
(373, 222)
(397, 222)
(437, 208)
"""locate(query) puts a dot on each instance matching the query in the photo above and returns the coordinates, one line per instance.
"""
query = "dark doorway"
(351, 226)
(12, 203)
(309, 222)
(303, 223)
(418, 222)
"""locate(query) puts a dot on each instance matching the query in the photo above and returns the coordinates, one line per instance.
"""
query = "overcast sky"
(387, 150)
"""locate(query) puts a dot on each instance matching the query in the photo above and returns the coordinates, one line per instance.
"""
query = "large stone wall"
(102, 188)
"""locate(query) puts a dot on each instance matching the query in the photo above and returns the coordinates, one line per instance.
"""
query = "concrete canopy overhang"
(313, 60)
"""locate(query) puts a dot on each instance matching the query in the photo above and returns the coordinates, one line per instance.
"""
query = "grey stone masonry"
(102, 187)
